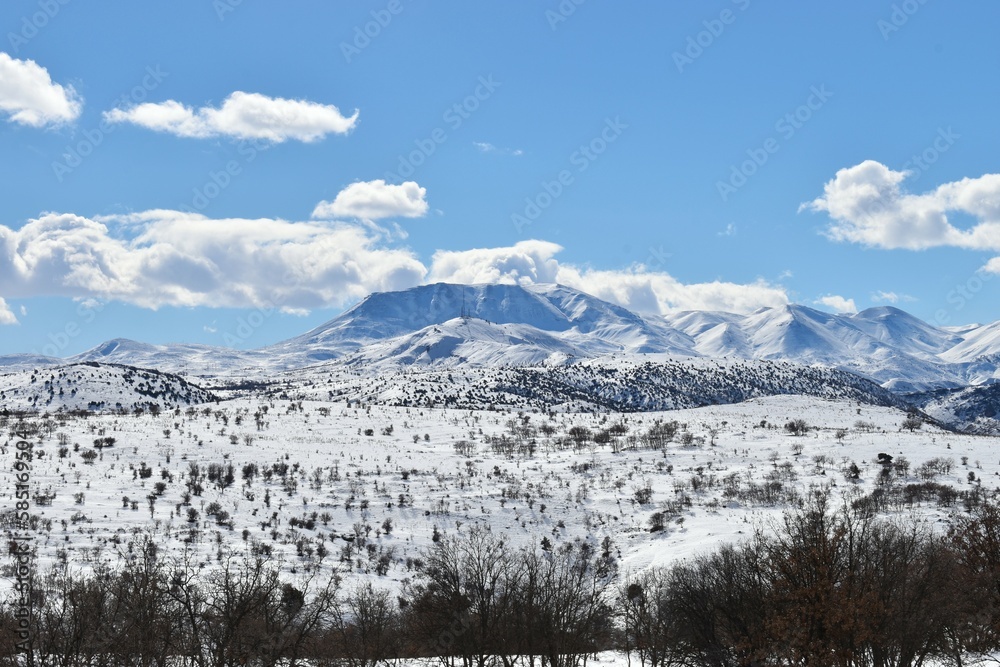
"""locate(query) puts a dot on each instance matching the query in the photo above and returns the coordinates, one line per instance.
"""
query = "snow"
(353, 482)
(93, 386)
(979, 342)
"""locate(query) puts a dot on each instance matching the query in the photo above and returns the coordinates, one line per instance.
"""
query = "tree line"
(840, 587)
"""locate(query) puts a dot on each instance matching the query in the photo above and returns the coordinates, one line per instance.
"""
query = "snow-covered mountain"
(178, 358)
(486, 324)
(898, 350)
(446, 325)
(451, 326)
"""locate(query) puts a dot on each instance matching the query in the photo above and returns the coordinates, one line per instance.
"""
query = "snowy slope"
(327, 476)
(615, 382)
(971, 409)
(905, 333)
(93, 386)
(981, 341)
(193, 359)
(468, 341)
(27, 361)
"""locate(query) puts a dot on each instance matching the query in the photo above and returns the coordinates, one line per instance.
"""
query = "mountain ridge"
(448, 325)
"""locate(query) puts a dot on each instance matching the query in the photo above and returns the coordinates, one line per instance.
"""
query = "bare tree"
(365, 629)
(463, 604)
(566, 611)
(651, 628)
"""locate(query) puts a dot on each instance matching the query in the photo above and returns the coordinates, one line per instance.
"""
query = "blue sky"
(173, 169)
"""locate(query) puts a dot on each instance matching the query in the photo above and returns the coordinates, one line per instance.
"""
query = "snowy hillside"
(620, 384)
(322, 484)
(96, 387)
(972, 409)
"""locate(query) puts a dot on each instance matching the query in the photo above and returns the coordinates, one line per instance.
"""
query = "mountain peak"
(882, 312)
(582, 321)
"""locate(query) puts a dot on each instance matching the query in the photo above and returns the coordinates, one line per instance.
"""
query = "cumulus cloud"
(374, 200)
(159, 258)
(169, 258)
(243, 116)
(869, 205)
(525, 262)
(30, 97)
(534, 261)
(6, 314)
(837, 303)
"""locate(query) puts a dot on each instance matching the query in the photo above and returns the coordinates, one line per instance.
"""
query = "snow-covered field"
(367, 488)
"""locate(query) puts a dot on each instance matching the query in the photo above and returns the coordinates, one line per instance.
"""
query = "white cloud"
(374, 200)
(993, 266)
(6, 314)
(487, 147)
(242, 115)
(730, 230)
(891, 297)
(30, 97)
(837, 303)
(525, 262)
(869, 206)
(160, 258)
(534, 261)
(169, 258)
